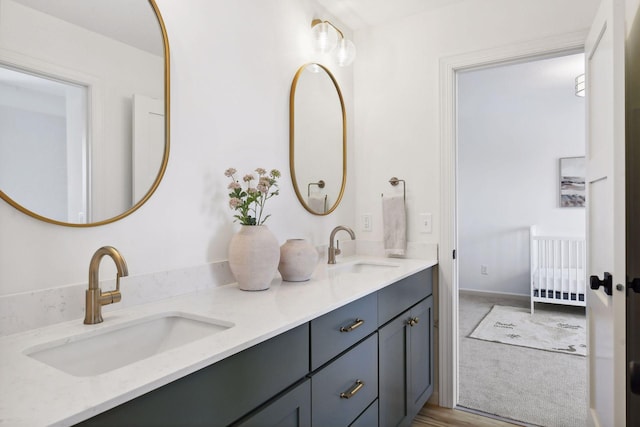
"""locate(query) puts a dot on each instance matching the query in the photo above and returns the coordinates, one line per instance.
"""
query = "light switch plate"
(425, 223)
(367, 222)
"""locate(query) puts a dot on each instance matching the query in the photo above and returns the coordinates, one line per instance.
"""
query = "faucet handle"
(337, 251)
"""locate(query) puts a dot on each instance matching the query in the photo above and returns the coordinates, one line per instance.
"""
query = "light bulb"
(345, 53)
(325, 37)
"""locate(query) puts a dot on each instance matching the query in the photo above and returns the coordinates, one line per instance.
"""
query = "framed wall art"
(572, 179)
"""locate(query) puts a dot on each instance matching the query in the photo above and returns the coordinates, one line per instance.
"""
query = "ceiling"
(128, 21)
(357, 14)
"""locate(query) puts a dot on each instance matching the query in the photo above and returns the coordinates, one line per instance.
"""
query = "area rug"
(549, 331)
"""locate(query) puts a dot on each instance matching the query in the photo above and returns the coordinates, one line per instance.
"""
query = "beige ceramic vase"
(254, 254)
(298, 259)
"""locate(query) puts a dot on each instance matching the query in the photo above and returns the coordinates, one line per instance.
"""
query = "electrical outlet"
(367, 222)
(483, 270)
(425, 223)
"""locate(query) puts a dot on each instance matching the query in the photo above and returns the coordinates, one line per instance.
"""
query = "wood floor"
(436, 416)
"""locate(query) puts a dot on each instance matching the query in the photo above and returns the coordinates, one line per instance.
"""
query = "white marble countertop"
(35, 394)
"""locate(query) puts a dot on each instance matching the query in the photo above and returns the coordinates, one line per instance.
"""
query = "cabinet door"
(393, 365)
(406, 366)
(292, 409)
(420, 355)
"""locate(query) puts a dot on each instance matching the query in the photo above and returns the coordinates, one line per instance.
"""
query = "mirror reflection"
(82, 107)
(317, 139)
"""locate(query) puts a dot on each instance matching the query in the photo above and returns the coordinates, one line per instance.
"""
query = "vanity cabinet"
(219, 394)
(367, 363)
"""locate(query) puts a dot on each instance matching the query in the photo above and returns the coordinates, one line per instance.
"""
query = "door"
(632, 137)
(605, 184)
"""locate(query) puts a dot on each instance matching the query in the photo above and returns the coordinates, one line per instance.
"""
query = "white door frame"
(448, 269)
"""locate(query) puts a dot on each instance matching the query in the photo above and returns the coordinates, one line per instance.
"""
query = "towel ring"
(320, 184)
(394, 181)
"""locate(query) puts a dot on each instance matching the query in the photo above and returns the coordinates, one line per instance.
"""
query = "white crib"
(558, 269)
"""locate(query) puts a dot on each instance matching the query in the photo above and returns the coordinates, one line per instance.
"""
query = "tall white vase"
(254, 254)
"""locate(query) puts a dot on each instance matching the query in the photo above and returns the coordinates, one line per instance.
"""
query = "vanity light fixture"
(328, 38)
(580, 85)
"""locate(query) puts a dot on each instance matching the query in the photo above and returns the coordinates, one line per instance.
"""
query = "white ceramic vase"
(254, 254)
(298, 259)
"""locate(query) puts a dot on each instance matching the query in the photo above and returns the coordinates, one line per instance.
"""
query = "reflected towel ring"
(320, 184)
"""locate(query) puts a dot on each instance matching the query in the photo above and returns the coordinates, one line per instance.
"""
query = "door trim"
(447, 268)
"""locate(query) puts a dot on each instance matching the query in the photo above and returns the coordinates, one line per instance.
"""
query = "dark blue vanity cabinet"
(367, 363)
(220, 394)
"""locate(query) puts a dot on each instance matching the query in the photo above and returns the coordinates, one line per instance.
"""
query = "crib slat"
(570, 266)
(545, 264)
(539, 281)
(553, 267)
(575, 270)
(563, 282)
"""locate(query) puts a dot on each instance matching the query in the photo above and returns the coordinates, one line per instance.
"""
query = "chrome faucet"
(95, 298)
(333, 251)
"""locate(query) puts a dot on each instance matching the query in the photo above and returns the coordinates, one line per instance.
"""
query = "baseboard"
(493, 293)
(434, 399)
(494, 417)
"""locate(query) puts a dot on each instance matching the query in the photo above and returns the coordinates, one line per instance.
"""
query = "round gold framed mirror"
(317, 139)
(84, 121)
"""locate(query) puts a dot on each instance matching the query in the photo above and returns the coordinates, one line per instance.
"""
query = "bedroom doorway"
(515, 122)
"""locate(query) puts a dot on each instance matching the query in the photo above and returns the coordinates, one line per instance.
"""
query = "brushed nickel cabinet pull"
(355, 325)
(356, 388)
(413, 321)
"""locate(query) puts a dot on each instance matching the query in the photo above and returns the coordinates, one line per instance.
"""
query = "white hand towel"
(394, 224)
(316, 202)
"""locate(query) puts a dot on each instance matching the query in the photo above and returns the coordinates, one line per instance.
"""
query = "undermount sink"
(110, 348)
(362, 267)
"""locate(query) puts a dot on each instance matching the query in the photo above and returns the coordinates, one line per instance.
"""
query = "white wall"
(514, 123)
(33, 165)
(232, 64)
(398, 93)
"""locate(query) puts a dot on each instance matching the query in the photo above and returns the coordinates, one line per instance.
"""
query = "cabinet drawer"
(397, 297)
(332, 384)
(368, 418)
(338, 330)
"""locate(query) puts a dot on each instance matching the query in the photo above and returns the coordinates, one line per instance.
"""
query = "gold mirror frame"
(165, 156)
(292, 168)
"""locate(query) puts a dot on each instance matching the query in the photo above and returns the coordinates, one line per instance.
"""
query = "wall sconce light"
(580, 85)
(327, 38)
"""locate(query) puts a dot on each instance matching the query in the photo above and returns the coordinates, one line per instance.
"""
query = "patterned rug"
(550, 331)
